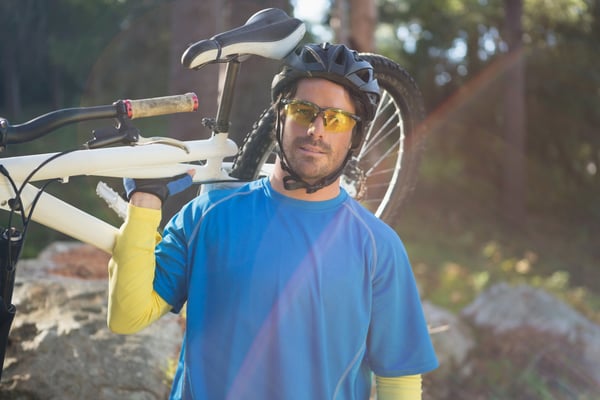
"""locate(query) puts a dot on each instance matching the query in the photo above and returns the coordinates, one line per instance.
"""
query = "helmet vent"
(364, 75)
(309, 57)
(340, 58)
(336, 63)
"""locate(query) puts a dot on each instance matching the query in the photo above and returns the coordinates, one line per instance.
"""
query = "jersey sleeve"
(177, 253)
(172, 260)
(398, 342)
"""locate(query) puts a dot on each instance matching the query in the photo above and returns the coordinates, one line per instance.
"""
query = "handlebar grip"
(161, 105)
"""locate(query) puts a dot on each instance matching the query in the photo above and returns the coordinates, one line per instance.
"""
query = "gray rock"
(60, 347)
(553, 329)
(452, 337)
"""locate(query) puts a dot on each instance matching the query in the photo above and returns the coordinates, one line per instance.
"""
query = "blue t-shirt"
(288, 299)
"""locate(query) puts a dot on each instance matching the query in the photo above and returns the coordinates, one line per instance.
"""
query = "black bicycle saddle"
(269, 33)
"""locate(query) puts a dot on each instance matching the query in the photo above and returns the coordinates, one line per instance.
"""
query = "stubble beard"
(312, 168)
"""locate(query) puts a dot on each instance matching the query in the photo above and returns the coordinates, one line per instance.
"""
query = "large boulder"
(451, 336)
(542, 342)
(60, 347)
(514, 342)
(453, 341)
(511, 342)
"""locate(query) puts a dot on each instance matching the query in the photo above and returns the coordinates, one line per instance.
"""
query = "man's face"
(313, 152)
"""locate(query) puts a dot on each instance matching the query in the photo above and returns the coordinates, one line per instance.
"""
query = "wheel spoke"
(371, 139)
(384, 156)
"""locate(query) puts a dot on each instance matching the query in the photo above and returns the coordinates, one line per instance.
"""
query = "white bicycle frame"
(269, 33)
(145, 161)
(149, 160)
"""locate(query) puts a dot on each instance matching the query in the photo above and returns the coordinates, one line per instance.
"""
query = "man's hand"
(159, 187)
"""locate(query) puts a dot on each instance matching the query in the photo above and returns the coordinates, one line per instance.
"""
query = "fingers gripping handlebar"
(130, 109)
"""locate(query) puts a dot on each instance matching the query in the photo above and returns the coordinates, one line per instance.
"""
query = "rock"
(453, 342)
(542, 334)
(504, 308)
(60, 347)
(511, 342)
(452, 337)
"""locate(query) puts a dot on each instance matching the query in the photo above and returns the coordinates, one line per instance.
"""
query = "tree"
(461, 58)
(22, 28)
(353, 23)
(195, 20)
(254, 82)
(513, 191)
(192, 21)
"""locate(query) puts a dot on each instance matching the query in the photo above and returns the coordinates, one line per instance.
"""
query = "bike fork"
(11, 242)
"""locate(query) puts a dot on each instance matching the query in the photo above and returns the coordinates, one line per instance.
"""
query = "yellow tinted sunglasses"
(304, 114)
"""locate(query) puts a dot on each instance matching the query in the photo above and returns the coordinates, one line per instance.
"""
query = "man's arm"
(132, 302)
(406, 387)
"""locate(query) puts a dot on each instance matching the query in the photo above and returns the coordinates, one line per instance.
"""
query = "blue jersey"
(288, 299)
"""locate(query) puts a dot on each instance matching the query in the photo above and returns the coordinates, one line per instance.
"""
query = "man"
(293, 290)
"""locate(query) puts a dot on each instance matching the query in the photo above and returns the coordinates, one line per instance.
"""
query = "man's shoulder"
(216, 194)
(367, 216)
(382, 233)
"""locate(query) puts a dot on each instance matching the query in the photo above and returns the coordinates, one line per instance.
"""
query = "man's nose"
(317, 126)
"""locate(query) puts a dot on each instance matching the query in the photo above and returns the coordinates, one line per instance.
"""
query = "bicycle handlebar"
(161, 105)
(131, 109)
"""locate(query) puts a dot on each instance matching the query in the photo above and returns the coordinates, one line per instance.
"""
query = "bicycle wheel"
(383, 171)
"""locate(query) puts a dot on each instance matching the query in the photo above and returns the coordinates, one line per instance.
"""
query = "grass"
(458, 250)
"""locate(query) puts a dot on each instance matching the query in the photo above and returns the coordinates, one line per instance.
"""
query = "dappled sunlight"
(453, 284)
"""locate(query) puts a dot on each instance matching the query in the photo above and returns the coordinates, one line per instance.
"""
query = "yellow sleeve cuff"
(406, 387)
(132, 302)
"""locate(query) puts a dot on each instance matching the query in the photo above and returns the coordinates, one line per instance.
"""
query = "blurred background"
(509, 187)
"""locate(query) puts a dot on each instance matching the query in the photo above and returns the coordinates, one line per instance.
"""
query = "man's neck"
(326, 193)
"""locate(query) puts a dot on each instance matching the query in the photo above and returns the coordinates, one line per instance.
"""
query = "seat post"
(231, 73)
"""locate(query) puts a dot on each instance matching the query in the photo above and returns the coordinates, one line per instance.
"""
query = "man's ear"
(357, 138)
(279, 111)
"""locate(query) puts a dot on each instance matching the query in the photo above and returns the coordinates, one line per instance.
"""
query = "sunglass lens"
(337, 121)
(302, 114)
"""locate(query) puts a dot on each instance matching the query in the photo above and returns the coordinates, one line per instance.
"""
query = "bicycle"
(381, 175)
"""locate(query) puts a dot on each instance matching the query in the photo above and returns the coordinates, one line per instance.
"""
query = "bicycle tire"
(384, 170)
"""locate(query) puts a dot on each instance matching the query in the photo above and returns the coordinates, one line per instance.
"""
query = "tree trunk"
(12, 90)
(353, 23)
(254, 81)
(191, 21)
(194, 20)
(513, 190)
(363, 20)
(340, 21)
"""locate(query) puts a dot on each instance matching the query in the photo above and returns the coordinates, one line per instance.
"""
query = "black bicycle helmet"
(336, 63)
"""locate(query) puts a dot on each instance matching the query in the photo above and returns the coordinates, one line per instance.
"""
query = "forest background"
(509, 187)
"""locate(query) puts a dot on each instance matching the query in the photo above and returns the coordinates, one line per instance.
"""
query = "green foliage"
(82, 62)
(72, 52)
(459, 59)
(459, 250)
(56, 44)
